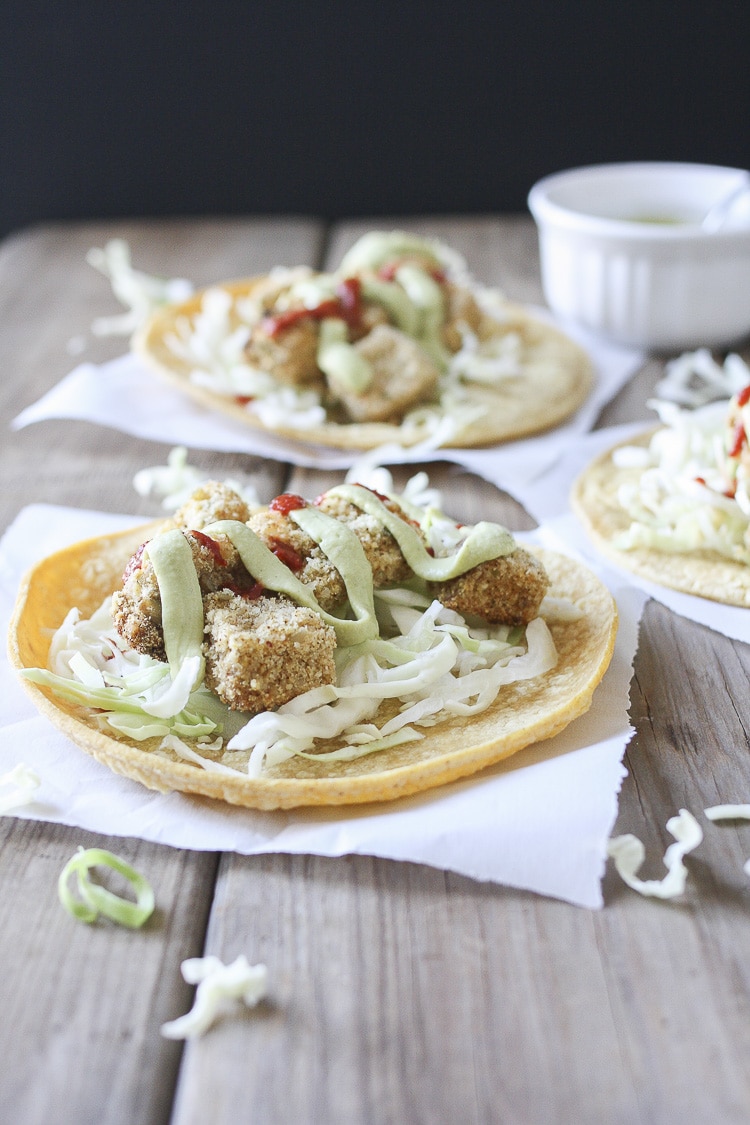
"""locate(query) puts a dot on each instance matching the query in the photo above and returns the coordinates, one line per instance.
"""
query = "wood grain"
(83, 1005)
(398, 993)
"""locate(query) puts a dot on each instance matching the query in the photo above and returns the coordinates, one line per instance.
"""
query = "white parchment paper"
(125, 396)
(539, 822)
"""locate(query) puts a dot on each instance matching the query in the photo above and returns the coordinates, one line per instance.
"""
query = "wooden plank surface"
(82, 1006)
(398, 993)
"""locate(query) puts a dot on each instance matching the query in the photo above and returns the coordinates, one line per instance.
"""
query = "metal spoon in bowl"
(717, 215)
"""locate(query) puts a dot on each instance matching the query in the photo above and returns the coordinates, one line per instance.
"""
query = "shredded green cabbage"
(218, 986)
(628, 854)
(688, 492)
(428, 661)
(139, 292)
(17, 787)
(427, 658)
(437, 668)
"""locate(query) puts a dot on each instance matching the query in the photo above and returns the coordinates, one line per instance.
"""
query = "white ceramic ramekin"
(622, 252)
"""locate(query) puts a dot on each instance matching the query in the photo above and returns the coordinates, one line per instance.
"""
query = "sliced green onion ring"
(98, 900)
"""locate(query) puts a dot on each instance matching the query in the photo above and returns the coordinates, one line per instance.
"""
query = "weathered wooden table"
(400, 993)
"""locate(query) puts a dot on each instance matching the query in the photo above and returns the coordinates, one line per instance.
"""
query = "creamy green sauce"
(270, 572)
(179, 589)
(485, 541)
(414, 302)
(377, 248)
(346, 369)
(427, 298)
(180, 593)
(658, 220)
(391, 297)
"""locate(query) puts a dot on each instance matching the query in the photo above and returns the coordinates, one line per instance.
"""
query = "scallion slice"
(95, 899)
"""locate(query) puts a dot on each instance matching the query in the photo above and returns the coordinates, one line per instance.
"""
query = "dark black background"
(118, 109)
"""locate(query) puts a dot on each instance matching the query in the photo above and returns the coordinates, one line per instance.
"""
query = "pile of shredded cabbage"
(427, 658)
(691, 492)
(140, 292)
(174, 483)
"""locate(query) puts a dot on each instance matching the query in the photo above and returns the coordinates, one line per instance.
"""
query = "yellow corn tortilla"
(704, 573)
(556, 380)
(524, 713)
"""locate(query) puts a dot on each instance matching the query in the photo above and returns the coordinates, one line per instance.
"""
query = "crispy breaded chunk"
(210, 502)
(290, 355)
(462, 311)
(382, 551)
(262, 652)
(136, 608)
(372, 315)
(311, 566)
(507, 590)
(274, 289)
(403, 374)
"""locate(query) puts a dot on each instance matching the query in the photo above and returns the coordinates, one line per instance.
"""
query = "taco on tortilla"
(673, 505)
(357, 648)
(397, 345)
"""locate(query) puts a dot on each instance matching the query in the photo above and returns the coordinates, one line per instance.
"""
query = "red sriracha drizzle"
(284, 504)
(286, 553)
(211, 545)
(257, 590)
(730, 493)
(349, 293)
(739, 438)
(134, 563)
(287, 502)
(346, 305)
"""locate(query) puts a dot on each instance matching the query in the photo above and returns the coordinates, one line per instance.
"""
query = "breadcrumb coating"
(262, 649)
(403, 374)
(461, 311)
(504, 591)
(136, 608)
(290, 356)
(372, 315)
(136, 613)
(316, 570)
(209, 503)
(263, 652)
(383, 552)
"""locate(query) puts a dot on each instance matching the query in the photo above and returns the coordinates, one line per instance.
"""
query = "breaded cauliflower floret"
(461, 312)
(382, 551)
(274, 289)
(136, 608)
(403, 375)
(209, 503)
(262, 652)
(302, 554)
(372, 315)
(507, 590)
(290, 355)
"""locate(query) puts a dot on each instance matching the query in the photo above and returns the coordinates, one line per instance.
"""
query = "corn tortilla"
(523, 713)
(704, 573)
(556, 379)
